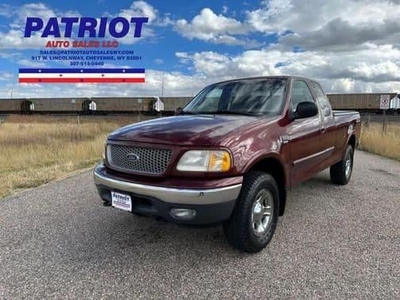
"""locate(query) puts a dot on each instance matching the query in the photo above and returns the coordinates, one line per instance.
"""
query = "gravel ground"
(57, 241)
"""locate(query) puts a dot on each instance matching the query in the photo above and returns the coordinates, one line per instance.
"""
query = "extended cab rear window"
(322, 99)
(300, 93)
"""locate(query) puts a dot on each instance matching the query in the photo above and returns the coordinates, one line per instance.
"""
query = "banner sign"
(117, 27)
(88, 46)
(81, 75)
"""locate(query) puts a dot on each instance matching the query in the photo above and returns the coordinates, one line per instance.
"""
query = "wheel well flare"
(273, 167)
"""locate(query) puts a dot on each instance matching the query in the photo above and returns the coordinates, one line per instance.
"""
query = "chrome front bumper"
(168, 195)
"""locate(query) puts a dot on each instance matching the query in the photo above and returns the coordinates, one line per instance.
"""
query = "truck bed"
(344, 112)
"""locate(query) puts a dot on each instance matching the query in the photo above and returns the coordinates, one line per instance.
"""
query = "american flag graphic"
(82, 75)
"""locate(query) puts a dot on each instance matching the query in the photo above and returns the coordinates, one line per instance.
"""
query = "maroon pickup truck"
(229, 156)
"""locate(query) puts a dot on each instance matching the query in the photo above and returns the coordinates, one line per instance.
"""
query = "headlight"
(205, 161)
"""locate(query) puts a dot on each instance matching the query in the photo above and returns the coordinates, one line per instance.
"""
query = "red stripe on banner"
(81, 80)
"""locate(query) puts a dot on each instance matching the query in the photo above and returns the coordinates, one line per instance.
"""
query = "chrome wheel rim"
(348, 167)
(262, 212)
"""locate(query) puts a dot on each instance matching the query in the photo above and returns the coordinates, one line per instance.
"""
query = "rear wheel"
(255, 216)
(341, 171)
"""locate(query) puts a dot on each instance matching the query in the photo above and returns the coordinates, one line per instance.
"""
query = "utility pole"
(162, 81)
(11, 98)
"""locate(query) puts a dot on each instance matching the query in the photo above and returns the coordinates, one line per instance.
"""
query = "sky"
(349, 46)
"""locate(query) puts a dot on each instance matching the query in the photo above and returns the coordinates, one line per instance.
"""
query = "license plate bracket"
(121, 201)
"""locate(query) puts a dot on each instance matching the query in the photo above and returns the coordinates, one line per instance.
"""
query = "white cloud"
(319, 24)
(348, 45)
(6, 76)
(14, 38)
(140, 8)
(281, 15)
(339, 35)
(31, 64)
(5, 10)
(343, 85)
(328, 24)
(34, 9)
(371, 69)
(208, 26)
(164, 21)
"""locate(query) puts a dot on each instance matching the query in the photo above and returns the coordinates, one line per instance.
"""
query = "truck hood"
(205, 130)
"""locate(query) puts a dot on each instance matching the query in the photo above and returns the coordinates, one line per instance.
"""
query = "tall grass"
(35, 150)
(373, 139)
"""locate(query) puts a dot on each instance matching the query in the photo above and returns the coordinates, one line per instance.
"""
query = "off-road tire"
(238, 229)
(338, 171)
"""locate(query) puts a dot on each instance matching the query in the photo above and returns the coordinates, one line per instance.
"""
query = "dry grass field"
(385, 144)
(37, 149)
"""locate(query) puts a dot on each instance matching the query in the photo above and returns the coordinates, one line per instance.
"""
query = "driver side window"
(300, 93)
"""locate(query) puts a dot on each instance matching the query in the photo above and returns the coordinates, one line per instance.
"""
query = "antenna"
(162, 82)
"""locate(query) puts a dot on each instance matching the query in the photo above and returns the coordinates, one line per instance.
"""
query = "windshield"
(247, 97)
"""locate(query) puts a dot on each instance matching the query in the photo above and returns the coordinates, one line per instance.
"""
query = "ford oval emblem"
(132, 157)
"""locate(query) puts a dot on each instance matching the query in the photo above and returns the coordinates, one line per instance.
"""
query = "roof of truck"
(266, 77)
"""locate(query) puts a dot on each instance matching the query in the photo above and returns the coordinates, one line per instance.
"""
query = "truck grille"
(138, 159)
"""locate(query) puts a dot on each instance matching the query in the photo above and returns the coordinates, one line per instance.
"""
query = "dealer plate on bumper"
(121, 201)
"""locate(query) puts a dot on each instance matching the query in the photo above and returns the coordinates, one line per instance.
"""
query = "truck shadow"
(141, 240)
(142, 232)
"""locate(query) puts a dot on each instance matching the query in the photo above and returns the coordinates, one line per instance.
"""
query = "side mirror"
(306, 110)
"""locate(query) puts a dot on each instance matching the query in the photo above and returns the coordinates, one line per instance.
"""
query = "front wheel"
(341, 171)
(255, 216)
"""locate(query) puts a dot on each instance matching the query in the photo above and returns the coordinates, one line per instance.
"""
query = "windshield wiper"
(217, 112)
(188, 113)
(229, 112)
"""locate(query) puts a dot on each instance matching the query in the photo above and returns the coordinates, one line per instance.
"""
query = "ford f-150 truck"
(229, 156)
